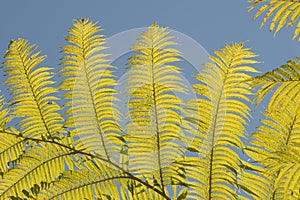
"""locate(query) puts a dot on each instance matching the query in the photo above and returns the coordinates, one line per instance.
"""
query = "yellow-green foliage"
(276, 146)
(89, 82)
(279, 13)
(281, 82)
(222, 111)
(154, 127)
(75, 148)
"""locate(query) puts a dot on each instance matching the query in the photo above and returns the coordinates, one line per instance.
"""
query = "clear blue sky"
(211, 23)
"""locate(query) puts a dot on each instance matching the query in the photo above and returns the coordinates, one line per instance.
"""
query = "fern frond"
(95, 184)
(31, 91)
(10, 146)
(279, 12)
(5, 118)
(281, 82)
(218, 117)
(288, 181)
(89, 81)
(154, 128)
(276, 145)
(84, 184)
(43, 163)
(255, 180)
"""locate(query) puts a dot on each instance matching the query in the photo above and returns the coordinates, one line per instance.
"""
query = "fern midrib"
(156, 119)
(290, 129)
(214, 130)
(33, 169)
(92, 96)
(33, 93)
(212, 146)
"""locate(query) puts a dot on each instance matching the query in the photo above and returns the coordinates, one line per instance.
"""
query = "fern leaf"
(83, 184)
(5, 118)
(11, 149)
(92, 184)
(154, 128)
(89, 81)
(31, 91)
(217, 119)
(255, 181)
(281, 82)
(283, 12)
(276, 146)
(10, 146)
(42, 163)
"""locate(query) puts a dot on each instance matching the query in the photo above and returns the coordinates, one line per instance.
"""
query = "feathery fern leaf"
(284, 13)
(276, 145)
(219, 116)
(5, 118)
(31, 94)
(98, 180)
(43, 163)
(154, 129)
(255, 181)
(285, 80)
(10, 146)
(89, 81)
(85, 184)
(31, 91)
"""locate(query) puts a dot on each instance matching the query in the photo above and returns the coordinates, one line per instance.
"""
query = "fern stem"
(290, 131)
(211, 159)
(158, 142)
(212, 145)
(156, 123)
(214, 133)
(95, 111)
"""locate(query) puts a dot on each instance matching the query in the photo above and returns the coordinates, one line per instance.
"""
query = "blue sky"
(210, 23)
